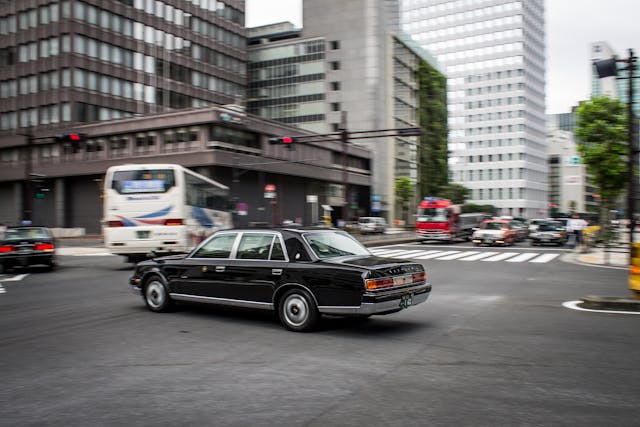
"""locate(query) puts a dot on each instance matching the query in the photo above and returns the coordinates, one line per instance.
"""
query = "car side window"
(296, 250)
(219, 246)
(277, 253)
(255, 246)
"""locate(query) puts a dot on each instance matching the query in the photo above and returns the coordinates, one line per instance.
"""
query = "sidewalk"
(614, 257)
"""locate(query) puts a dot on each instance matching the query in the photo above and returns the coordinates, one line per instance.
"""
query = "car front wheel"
(156, 296)
(298, 311)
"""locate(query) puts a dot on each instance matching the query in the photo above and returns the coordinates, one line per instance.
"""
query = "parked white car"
(372, 224)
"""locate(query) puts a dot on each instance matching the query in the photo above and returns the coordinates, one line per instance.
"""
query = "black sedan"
(26, 246)
(301, 273)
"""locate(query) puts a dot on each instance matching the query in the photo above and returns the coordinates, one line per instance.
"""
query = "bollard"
(634, 271)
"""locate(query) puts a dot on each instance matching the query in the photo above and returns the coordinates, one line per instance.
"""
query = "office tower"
(353, 69)
(69, 62)
(494, 55)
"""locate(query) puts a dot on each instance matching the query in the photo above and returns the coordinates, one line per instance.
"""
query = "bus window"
(143, 181)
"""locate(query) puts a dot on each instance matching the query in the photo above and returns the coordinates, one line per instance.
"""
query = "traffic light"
(70, 137)
(285, 140)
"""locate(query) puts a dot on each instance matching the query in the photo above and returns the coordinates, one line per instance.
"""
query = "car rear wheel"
(297, 311)
(156, 296)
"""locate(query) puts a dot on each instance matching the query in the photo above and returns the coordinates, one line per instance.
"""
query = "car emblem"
(204, 268)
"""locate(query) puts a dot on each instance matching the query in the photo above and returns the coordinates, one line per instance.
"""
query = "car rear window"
(26, 233)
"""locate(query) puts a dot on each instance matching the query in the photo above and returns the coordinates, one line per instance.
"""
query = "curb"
(595, 302)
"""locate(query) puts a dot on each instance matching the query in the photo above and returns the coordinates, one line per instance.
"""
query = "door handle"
(276, 271)
(219, 268)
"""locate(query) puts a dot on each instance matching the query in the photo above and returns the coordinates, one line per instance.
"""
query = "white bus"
(162, 208)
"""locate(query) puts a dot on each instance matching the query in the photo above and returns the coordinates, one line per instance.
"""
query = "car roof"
(298, 230)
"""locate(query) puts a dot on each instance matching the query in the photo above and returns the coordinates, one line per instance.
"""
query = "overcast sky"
(572, 25)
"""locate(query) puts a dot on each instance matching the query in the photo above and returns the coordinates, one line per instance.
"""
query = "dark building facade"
(59, 183)
(76, 61)
(145, 81)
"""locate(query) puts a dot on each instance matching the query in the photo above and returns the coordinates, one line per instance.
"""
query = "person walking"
(576, 226)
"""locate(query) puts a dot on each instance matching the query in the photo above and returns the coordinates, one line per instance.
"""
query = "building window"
(335, 65)
(335, 106)
(335, 85)
(334, 44)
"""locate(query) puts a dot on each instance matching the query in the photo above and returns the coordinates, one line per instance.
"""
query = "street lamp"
(609, 68)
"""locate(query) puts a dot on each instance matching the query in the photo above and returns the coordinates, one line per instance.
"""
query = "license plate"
(487, 240)
(406, 300)
(144, 234)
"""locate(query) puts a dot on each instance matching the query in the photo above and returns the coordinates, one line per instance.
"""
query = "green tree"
(432, 117)
(455, 192)
(602, 142)
(404, 191)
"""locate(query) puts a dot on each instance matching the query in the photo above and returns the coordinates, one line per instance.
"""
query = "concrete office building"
(146, 81)
(569, 186)
(494, 55)
(351, 69)
(78, 61)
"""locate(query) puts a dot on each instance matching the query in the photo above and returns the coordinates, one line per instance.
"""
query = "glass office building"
(493, 52)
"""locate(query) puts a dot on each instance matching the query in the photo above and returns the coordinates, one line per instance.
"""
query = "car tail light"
(115, 224)
(420, 277)
(46, 247)
(385, 282)
(5, 249)
(175, 221)
(388, 282)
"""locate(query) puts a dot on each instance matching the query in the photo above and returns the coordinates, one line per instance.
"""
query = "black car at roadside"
(301, 273)
(25, 246)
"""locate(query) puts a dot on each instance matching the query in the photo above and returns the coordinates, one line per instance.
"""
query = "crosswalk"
(465, 255)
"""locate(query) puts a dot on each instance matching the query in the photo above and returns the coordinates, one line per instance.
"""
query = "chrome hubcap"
(155, 294)
(296, 310)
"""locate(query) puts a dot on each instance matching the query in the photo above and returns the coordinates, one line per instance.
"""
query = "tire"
(156, 296)
(297, 311)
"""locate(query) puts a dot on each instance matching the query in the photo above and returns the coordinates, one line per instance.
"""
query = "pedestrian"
(576, 226)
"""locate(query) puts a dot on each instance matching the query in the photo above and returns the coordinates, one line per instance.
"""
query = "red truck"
(439, 219)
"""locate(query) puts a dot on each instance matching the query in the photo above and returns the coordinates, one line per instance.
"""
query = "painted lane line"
(396, 253)
(573, 305)
(437, 254)
(15, 278)
(524, 257)
(413, 254)
(544, 258)
(456, 256)
(2, 290)
(386, 252)
(479, 256)
(500, 257)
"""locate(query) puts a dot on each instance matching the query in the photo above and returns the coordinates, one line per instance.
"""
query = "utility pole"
(633, 152)
(344, 138)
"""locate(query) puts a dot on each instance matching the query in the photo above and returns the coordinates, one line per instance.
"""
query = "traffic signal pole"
(344, 137)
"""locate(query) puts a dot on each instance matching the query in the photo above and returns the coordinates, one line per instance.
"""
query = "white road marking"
(573, 305)
(464, 255)
(456, 256)
(437, 254)
(15, 278)
(544, 258)
(479, 256)
(501, 257)
(524, 257)
(410, 254)
(2, 290)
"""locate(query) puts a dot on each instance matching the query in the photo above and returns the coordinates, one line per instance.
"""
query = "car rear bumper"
(25, 260)
(383, 302)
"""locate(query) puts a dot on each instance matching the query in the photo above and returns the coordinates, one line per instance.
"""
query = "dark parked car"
(301, 273)
(26, 246)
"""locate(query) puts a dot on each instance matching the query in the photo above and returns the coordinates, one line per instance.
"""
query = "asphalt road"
(492, 346)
